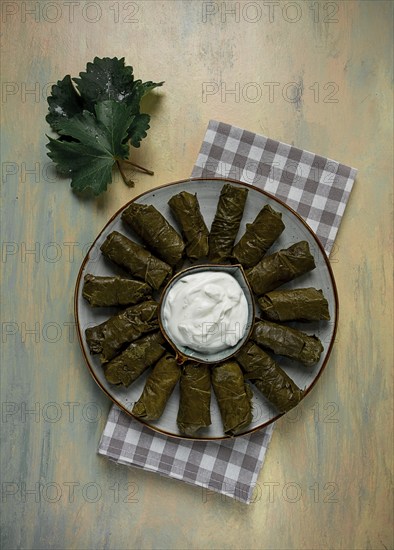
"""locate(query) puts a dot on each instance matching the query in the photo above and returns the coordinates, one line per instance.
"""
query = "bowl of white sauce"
(206, 312)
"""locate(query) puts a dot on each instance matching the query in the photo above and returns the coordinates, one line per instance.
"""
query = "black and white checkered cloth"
(318, 189)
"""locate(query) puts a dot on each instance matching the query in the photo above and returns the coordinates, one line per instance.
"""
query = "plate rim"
(79, 332)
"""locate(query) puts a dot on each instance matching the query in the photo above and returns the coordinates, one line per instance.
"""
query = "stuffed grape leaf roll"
(136, 259)
(280, 267)
(186, 210)
(114, 291)
(258, 237)
(158, 388)
(134, 360)
(195, 399)
(287, 341)
(155, 231)
(225, 225)
(299, 304)
(265, 373)
(110, 337)
(234, 397)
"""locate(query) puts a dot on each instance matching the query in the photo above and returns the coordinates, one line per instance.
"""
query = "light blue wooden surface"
(326, 479)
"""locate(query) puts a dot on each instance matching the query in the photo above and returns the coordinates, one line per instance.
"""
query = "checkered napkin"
(318, 189)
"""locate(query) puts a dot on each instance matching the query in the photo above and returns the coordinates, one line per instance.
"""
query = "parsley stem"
(127, 181)
(138, 166)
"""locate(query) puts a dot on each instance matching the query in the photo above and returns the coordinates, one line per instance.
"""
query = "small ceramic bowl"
(184, 353)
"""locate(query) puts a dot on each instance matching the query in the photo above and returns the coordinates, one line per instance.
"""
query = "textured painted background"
(326, 480)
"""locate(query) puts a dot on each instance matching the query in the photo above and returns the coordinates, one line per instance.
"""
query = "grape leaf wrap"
(195, 399)
(234, 397)
(158, 388)
(134, 360)
(225, 225)
(186, 210)
(287, 341)
(281, 267)
(155, 231)
(299, 304)
(114, 291)
(110, 337)
(135, 259)
(268, 377)
(258, 237)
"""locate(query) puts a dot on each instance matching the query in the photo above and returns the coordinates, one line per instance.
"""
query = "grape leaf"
(111, 79)
(138, 128)
(96, 119)
(63, 103)
(149, 86)
(99, 143)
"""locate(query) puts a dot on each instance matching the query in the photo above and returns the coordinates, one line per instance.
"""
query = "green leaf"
(106, 79)
(140, 90)
(86, 168)
(64, 102)
(111, 79)
(95, 120)
(134, 99)
(100, 141)
(137, 130)
(116, 119)
(149, 86)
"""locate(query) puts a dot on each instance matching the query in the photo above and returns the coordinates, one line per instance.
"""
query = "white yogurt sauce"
(206, 311)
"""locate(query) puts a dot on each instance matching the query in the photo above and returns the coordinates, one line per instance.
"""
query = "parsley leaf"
(96, 115)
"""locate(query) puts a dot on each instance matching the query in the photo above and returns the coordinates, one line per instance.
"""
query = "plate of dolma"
(184, 224)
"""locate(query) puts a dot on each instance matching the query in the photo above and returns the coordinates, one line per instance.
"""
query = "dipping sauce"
(206, 311)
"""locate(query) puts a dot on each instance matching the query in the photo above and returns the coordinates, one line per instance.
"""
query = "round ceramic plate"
(208, 191)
